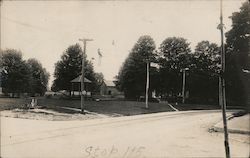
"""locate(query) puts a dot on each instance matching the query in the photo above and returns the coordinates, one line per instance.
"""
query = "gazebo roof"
(79, 78)
(109, 83)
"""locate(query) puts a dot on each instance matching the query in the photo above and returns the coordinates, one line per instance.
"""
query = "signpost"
(149, 64)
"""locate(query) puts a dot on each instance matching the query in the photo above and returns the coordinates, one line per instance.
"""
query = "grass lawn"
(12, 103)
(110, 108)
(52, 108)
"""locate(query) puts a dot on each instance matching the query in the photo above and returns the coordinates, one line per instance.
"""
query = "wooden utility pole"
(82, 79)
(222, 95)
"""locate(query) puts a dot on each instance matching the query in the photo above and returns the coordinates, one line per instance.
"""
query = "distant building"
(109, 88)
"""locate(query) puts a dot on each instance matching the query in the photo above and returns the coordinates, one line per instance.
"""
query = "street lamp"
(183, 83)
(82, 79)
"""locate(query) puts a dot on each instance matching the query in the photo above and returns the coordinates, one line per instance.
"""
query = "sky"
(44, 29)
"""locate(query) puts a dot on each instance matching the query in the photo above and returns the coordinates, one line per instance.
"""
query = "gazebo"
(76, 85)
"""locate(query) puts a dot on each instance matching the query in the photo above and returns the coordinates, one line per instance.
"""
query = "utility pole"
(184, 84)
(1, 58)
(84, 40)
(222, 95)
(1, 91)
(147, 84)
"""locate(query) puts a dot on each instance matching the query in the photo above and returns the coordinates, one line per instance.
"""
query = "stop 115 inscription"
(101, 152)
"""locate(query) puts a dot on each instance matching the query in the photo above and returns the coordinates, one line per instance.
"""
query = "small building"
(108, 88)
(76, 86)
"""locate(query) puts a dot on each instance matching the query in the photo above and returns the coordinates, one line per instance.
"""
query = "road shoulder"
(239, 125)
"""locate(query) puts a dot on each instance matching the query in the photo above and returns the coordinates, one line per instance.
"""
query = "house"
(109, 88)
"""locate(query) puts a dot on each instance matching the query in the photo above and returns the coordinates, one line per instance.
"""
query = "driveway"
(168, 134)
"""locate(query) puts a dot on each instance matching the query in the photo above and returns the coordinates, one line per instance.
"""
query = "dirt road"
(168, 134)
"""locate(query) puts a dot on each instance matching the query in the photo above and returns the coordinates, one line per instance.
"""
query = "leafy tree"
(175, 55)
(91, 75)
(202, 81)
(99, 80)
(69, 67)
(207, 57)
(39, 77)
(132, 75)
(175, 52)
(15, 75)
(1, 67)
(238, 57)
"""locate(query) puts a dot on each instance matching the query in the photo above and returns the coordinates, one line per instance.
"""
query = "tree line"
(20, 76)
(174, 54)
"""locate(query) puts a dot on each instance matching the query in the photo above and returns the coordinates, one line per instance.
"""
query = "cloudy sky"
(44, 29)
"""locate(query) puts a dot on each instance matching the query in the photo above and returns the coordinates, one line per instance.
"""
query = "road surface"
(168, 134)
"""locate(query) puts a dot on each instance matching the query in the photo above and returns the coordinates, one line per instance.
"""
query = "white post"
(183, 86)
(147, 84)
(33, 102)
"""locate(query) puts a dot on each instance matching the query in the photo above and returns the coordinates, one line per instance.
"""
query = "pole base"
(147, 108)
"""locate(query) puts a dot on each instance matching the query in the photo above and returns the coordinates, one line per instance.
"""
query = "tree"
(39, 77)
(207, 56)
(15, 75)
(99, 80)
(132, 75)
(238, 57)
(91, 75)
(174, 55)
(203, 76)
(69, 67)
(175, 52)
(1, 69)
